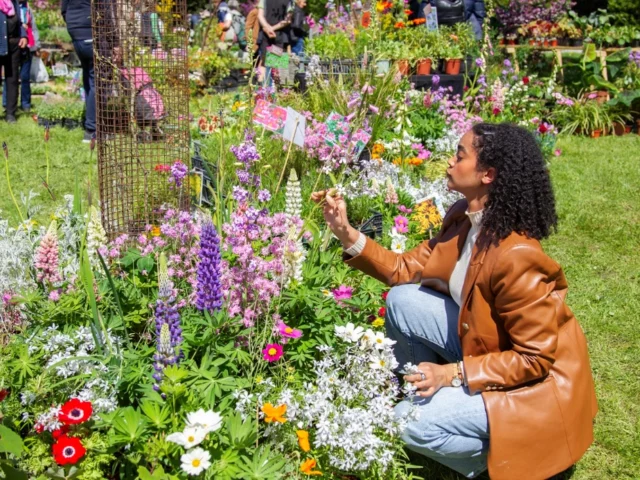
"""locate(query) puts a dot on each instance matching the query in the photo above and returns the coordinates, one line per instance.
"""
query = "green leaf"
(158, 474)
(10, 472)
(129, 425)
(145, 263)
(242, 433)
(158, 414)
(263, 466)
(227, 466)
(10, 442)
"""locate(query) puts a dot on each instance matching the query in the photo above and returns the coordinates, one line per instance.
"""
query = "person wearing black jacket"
(299, 29)
(13, 38)
(77, 15)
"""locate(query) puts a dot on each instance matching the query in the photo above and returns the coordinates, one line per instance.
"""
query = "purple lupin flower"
(178, 173)
(168, 330)
(209, 290)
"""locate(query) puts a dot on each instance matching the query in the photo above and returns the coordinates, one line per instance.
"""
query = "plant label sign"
(294, 127)
(431, 14)
(337, 129)
(270, 116)
(277, 61)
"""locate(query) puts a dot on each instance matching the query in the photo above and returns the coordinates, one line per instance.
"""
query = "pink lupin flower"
(47, 262)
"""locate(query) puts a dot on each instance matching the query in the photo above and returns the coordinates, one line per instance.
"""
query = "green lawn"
(598, 243)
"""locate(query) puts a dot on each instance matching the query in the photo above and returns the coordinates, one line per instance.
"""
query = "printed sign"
(337, 129)
(431, 14)
(270, 116)
(294, 127)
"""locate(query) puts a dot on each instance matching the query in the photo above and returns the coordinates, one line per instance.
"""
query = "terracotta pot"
(403, 67)
(627, 129)
(424, 67)
(452, 66)
(619, 129)
(511, 42)
(554, 43)
(596, 134)
(501, 42)
(545, 43)
(532, 41)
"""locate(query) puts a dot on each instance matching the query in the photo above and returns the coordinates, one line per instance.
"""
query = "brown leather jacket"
(523, 349)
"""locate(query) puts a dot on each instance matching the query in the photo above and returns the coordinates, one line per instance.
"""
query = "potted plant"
(511, 38)
(425, 59)
(385, 52)
(403, 59)
(453, 58)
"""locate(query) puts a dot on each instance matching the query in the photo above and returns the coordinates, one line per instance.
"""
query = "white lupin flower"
(349, 333)
(96, 236)
(195, 461)
(190, 437)
(293, 196)
(208, 421)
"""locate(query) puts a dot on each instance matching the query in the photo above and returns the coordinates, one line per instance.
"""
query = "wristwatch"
(456, 381)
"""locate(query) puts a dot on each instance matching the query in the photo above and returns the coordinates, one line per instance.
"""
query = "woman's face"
(463, 175)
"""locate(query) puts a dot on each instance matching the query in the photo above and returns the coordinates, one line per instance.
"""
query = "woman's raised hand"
(335, 214)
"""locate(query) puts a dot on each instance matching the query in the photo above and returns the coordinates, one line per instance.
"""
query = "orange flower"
(303, 440)
(308, 466)
(419, 21)
(415, 161)
(274, 414)
(408, 12)
(399, 25)
(453, 37)
(155, 231)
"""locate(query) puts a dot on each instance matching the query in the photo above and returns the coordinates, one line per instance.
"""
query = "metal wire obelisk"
(142, 110)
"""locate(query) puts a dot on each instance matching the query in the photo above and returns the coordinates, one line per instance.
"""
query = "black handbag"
(450, 11)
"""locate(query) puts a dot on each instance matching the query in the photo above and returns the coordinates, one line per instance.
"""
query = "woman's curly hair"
(521, 196)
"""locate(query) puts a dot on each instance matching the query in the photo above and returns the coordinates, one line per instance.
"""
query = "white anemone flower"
(349, 333)
(208, 421)
(190, 437)
(195, 461)
(368, 339)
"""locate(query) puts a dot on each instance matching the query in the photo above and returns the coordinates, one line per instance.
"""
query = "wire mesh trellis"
(142, 110)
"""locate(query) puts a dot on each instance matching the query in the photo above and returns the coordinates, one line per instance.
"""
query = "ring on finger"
(423, 377)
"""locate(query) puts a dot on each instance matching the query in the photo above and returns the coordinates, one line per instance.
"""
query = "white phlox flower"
(380, 342)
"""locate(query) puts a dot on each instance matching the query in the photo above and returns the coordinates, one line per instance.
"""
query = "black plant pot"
(372, 226)
(635, 43)
(576, 42)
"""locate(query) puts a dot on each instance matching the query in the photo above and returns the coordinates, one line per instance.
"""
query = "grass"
(598, 244)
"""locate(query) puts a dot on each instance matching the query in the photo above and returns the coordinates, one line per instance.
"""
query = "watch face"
(456, 382)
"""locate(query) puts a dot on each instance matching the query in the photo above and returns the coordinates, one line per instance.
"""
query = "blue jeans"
(84, 50)
(298, 47)
(475, 12)
(25, 81)
(452, 426)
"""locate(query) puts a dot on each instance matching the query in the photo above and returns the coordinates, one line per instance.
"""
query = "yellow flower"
(274, 414)
(155, 231)
(303, 440)
(427, 216)
(378, 322)
(308, 466)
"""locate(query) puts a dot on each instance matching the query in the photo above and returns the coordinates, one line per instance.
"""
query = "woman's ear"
(489, 176)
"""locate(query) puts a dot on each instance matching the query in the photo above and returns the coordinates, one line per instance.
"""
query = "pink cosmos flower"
(343, 292)
(401, 224)
(557, 152)
(286, 331)
(272, 352)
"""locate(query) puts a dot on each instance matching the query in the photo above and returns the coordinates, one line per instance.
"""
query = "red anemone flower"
(68, 450)
(75, 411)
(382, 312)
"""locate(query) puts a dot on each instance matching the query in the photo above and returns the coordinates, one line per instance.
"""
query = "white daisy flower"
(380, 342)
(208, 421)
(191, 437)
(195, 461)
(367, 340)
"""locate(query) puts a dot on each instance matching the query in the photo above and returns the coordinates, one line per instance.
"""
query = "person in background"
(224, 22)
(238, 24)
(299, 28)
(77, 16)
(274, 17)
(475, 13)
(13, 38)
(26, 54)
(252, 27)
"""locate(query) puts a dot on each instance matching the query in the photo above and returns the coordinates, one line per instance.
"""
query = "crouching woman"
(503, 378)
